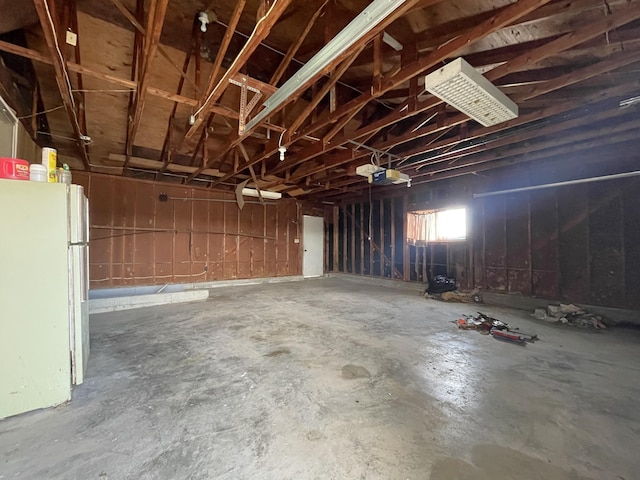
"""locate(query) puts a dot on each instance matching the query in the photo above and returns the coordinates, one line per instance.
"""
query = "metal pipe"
(559, 184)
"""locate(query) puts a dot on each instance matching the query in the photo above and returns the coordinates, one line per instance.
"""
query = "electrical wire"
(370, 214)
(105, 90)
(39, 132)
(75, 91)
(55, 135)
(64, 70)
(210, 96)
(275, 50)
(55, 36)
(197, 112)
(42, 112)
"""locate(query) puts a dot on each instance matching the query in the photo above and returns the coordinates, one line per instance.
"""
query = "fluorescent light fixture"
(392, 42)
(358, 28)
(252, 192)
(462, 87)
(629, 102)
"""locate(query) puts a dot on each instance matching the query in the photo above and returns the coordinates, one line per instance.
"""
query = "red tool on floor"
(508, 336)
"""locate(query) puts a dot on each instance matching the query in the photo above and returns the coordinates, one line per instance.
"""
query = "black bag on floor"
(442, 283)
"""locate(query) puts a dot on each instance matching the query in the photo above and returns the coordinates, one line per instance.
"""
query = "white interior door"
(313, 243)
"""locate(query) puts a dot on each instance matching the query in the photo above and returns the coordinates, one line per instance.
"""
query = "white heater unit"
(462, 87)
(252, 192)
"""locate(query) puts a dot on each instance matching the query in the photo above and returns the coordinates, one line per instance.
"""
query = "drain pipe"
(559, 184)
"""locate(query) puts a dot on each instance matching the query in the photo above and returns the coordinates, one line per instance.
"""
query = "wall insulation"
(196, 235)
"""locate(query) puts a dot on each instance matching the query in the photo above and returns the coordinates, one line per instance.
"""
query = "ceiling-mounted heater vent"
(462, 87)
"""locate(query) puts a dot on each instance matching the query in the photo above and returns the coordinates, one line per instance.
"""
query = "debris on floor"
(455, 296)
(571, 315)
(500, 330)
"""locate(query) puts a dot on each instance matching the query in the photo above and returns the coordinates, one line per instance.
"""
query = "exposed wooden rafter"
(295, 46)
(46, 15)
(76, 68)
(504, 17)
(215, 90)
(275, 143)
(165, 154)
(140, 29)
(544, 51)
(566, 63)
(155, 21)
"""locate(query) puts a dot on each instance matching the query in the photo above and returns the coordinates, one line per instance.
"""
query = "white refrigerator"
(44, 321)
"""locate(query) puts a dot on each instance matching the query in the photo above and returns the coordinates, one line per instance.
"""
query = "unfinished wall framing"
(578, 243)
(196, 235)
(370, 239)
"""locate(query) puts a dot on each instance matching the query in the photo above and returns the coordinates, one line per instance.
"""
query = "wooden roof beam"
(567, 41)
(330, 67)
(586, 148)
(520, 136)
(441, 34)
(260, 32)
(45, 10)
(612, 137)
(138, 26)
(504, 17)
(226, 40)
(353, 108)
(155, 21)
(618, 61)
(136, 67)
(165, 154)
(295, 46)
(342, 158)
(76, 68)
(335, 76)
(576, 76)
(588, 153)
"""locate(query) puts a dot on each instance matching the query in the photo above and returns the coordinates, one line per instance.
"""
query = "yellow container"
(49, 160)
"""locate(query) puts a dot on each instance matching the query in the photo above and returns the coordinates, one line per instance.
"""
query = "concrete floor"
(333, 379)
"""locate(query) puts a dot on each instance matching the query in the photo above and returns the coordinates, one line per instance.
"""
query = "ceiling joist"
(46, 14)
(567, 64)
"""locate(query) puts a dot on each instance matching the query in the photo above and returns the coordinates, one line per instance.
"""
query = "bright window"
(445, 225)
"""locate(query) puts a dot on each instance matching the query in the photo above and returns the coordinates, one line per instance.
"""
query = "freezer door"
(78, 223)
(78, 312)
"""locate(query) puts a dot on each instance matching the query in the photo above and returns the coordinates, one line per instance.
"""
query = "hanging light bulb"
(203, 17)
